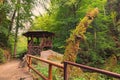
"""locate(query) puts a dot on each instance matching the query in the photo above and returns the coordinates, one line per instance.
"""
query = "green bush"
(2, 58)
(79, 79)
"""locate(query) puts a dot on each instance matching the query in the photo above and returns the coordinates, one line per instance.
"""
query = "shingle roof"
(38, 34)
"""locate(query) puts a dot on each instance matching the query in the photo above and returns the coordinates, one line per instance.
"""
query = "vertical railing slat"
(50, 72)
(65, 71)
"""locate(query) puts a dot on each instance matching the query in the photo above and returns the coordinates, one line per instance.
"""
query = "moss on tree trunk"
(73, 42)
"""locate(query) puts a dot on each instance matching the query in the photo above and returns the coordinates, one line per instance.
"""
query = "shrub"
(2, 58)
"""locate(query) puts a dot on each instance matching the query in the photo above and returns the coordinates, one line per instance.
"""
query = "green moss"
(111, 62)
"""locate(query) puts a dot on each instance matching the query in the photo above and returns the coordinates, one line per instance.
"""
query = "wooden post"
(50, 71)
(65, 71)
(29, 62)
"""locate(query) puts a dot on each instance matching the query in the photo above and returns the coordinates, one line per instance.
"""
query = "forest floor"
(11, 71)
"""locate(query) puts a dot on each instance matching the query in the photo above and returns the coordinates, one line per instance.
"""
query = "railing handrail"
(47, 61)
(64, 66)
(51, 63)
(115, 75)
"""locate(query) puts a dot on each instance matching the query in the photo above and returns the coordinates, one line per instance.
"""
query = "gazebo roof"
(38, 34)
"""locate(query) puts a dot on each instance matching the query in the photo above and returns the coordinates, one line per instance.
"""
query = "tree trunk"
(11, 23)
(16, 31)
(77, 35)
(15, 43)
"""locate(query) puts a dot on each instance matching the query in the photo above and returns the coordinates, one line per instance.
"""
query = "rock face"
(52, 55)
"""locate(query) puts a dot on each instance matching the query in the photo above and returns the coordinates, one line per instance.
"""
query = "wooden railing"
(29, 61)
(64, 66)
(66, 63)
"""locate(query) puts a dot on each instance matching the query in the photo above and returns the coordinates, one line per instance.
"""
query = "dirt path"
(11, 71)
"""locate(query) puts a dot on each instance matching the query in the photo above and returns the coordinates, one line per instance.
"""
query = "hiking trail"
(11, 71)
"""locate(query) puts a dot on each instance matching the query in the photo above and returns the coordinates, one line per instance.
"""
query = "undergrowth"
(2, 58)
(86, 76)
(43, 68)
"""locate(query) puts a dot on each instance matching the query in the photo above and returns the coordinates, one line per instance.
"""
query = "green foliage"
(45, 22)
(105, 77)
(116, 69)
(64, 16)
(11, 22)
(4, 23)
(22, 46)
(2, 58)
(99, 42)
(43, 70)
(61, 21)
(79, 79)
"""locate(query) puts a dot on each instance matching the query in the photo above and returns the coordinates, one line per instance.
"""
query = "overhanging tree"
(73, 42)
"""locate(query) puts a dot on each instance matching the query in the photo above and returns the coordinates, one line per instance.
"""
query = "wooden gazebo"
(38, 40)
